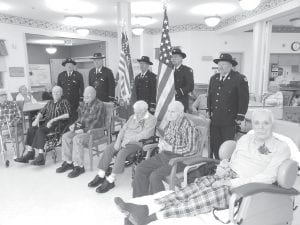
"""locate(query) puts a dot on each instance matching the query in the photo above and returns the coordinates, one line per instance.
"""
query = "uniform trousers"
(73, 147)
(119, 164)
(36, 136)
(150, 173)
(219, 134)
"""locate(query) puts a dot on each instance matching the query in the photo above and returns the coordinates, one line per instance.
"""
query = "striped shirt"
(91, 115)
(54, 109)
(9, 112)
(181, 134)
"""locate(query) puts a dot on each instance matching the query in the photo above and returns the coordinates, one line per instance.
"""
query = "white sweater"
(253, 166)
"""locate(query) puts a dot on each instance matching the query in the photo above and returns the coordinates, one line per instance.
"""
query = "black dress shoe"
(105, 187)
(96, 181)
(64, 167)
(39, 160)
(28, 156)
(76, 171)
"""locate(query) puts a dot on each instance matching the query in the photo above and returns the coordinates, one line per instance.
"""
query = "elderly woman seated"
(24, 95)
(9, 111)
(53, 112)
(256, 158)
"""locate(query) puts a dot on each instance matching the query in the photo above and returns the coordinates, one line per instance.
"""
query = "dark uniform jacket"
(72, 87)
(184, 84)
(145, 87)
(104, 83)
(228, 99)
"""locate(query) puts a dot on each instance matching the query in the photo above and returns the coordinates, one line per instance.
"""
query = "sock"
(69, 162)
(139, 213)
(111, 178)
(101, 173)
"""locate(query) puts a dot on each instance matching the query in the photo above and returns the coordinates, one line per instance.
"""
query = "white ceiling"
(106, 11)
(179, 12)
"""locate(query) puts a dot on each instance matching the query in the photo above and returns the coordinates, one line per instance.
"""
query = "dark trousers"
(219, 134)
(150, 173)
(36, 136)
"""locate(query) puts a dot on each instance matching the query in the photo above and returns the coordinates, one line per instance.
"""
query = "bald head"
(89, 94)
(175, 110)
(266, 113)
(57, 93)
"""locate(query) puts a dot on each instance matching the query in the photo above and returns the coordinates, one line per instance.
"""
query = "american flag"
(125, 71)
(165, 83)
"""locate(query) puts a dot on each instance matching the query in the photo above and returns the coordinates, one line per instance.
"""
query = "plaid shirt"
(9, 112)
(91, 115)
(181, 134)
(197, 198)
(54, 109)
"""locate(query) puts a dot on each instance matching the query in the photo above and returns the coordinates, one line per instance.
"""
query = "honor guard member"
(183, 78)
(102, 79)
(145, 84)
(72, 84)
(227, 102)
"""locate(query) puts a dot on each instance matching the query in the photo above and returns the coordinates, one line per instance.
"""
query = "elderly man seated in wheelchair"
(178, 140)
(256, 158)
(49, 119)
(91, 114)
(139, 126)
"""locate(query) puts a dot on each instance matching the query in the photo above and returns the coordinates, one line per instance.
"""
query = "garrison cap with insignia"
(68, 60)
(226, 57)
(177, 51)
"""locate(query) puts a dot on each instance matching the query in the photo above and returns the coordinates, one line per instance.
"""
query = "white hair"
(267, 112)
(90, 89)
(140, 105)
(177, 105)
(58, 88)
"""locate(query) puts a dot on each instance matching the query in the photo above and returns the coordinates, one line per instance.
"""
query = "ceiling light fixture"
(71, 6)
(83, 31)
(51, 50)
(212, 21)
(142, 20)
(4, 6)
(249, 4)
(295, 22)
(137, 31)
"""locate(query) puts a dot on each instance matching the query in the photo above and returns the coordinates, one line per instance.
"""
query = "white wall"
(17, 52)
(281, 42)
(198, 44)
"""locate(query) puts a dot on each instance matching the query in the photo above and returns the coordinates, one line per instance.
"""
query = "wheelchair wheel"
(7, 163)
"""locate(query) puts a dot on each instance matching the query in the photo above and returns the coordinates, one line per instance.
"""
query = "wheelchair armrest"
(192, 160)
(151, 140)
(255, 188)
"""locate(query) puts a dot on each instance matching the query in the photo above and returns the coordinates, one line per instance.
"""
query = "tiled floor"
(38, 196)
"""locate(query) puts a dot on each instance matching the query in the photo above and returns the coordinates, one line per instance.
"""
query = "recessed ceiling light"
(214, 8)
(79, 21)
(71, 6)
(46, 41)
(4, 6)
(142, 20)
(146, 7)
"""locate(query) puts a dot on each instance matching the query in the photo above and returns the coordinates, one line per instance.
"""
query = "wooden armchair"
(104, 135)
